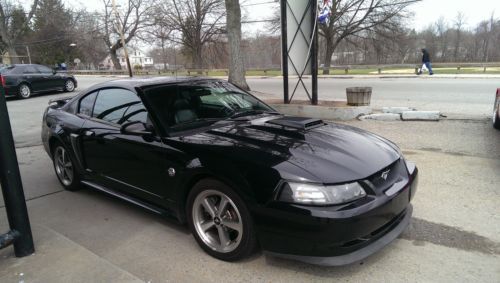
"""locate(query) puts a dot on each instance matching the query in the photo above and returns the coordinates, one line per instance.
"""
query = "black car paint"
(254, 158)
(14, 76)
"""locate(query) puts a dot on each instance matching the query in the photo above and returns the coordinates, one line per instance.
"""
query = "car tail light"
(2, 80)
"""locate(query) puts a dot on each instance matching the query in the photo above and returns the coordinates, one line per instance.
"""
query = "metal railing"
(348, 69)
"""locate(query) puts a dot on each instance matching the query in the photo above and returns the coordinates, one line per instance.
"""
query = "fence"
(348, 69)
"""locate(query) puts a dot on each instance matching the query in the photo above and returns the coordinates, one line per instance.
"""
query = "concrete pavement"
(87, 236)
(463, 98)
(454, 237)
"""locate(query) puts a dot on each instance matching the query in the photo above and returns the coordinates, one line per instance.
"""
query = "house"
(136, 57)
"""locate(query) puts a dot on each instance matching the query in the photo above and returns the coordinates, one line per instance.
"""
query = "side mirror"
(136, 128)
(54, 71)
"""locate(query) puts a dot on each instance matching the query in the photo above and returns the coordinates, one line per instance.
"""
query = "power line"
(261, 3)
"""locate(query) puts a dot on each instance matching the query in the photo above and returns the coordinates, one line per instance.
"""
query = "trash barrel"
(359, 96)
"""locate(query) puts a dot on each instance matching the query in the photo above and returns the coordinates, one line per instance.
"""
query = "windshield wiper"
(243, 113)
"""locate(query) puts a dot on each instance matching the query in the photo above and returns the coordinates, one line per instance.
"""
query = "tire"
(64, 167)
(69, 85)
(209, 226)
(496, 115)
(24, 91)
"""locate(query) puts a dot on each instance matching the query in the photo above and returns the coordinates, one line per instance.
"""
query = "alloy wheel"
(63, 165)
(217, 221)
(69, 85)
(24, 91)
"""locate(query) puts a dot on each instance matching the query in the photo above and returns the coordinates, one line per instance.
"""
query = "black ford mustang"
(240, 174)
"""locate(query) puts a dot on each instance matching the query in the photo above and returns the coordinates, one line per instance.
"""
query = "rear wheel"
(69, 85)
(24, 91)
(496, 115)
(65, 168)
(220, 221)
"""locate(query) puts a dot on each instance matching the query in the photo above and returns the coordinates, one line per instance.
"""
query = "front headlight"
(319, 194)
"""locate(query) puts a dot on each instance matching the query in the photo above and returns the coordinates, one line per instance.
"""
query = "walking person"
(426, 62)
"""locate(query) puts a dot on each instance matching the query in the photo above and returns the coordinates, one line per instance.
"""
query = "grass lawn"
(341, 72)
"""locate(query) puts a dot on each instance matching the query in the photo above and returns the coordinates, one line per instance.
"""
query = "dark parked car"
(23, 80)
(496, 110)
(238, 173)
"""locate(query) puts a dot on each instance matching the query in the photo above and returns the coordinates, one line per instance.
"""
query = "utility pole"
(12, 188)
(122, 37)
(28, 51)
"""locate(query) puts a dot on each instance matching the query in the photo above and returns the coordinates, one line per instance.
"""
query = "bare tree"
(459, 24)
(485, 34)
(90, 46)
(9, 33)
(198, 21)
(134, 18)
(349, 17)
(233, 26)
(159, 33)
(442, 35)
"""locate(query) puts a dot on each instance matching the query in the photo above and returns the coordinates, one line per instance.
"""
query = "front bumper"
(11, 91)
(360, 254)
(333, 236)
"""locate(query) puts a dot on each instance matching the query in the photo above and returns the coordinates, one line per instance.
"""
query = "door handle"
(89, 133)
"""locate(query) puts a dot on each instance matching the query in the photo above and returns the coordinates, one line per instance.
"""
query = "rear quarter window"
(118, 106)
(87, 104)
(6, 70)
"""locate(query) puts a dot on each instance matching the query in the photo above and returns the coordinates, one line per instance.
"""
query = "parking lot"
(454, 235)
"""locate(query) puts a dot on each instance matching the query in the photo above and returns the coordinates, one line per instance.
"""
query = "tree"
(442, 37)
(52, 32)
(135, 17)
(159, 33)
(12, 26)
(198, 21)
(350, 17)
(233, 26)
(90, 47)
(459, 24)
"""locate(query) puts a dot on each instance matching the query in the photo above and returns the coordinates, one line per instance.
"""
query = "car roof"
(131, 83)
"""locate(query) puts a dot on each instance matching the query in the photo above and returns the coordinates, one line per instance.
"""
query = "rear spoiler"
(59, 102)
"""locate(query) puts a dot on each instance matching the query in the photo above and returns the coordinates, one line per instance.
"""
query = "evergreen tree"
(53, 26)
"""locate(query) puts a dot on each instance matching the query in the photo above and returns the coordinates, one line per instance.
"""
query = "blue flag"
(325, 8)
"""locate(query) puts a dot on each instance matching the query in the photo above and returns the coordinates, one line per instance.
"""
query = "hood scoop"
(298, 123)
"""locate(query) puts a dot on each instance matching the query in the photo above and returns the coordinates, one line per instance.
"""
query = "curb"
(403, 114)
(323, 112)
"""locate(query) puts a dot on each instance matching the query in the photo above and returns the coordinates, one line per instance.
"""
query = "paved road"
(471, 97)
(457, 98)
(453, 96)
(86, 236)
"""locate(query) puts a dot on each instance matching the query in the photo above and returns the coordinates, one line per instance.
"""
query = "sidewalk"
(86, 236)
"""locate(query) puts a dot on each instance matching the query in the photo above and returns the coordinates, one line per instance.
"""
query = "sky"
(429, 11)
(426, 12)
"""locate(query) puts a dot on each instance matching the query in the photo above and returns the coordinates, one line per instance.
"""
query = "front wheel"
(69, 85)
(220, 221)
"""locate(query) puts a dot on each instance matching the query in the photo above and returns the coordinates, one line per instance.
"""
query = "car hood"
(329, 153)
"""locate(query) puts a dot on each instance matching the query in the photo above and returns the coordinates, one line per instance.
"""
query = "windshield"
(188, 105)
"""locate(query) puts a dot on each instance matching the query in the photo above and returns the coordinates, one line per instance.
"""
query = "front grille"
(385, 178)
(378, 232)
